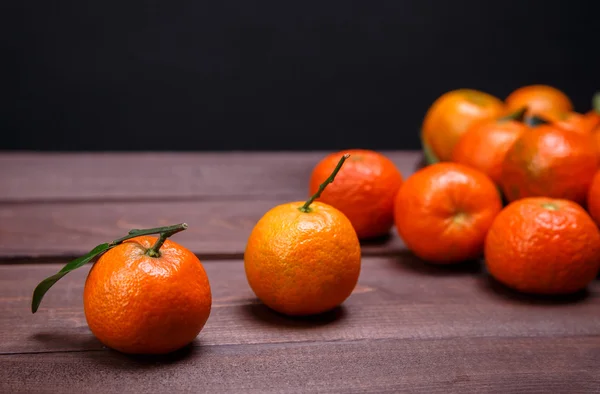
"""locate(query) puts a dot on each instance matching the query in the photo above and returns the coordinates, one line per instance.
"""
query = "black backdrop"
(242, 75)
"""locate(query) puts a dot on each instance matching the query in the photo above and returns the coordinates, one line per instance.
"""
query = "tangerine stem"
(596, 102)
(147, 231)
(518, 115)
(166, 232)
(322, 186)
(535, 121)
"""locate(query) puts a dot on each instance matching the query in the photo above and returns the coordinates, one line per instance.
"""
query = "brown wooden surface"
(408, 326)
(444, 366)
(396, 298)
(162, 176)
(216, 228)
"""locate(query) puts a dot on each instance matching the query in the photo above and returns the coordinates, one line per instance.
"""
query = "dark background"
(241, 75)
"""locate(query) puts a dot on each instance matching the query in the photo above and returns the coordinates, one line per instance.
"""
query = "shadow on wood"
(126, 362)
(377, 241)
(407, 260)
(492, 286)
(422, 163)
(67, 340)
(120, 360)
(265, 314)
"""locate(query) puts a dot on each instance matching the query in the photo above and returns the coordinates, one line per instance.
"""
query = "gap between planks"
(71, 177)
(396, 298)
(216, 228)
(319, 342)
(439, 366)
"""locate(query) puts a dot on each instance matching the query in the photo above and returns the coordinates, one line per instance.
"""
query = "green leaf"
(535, 120)
(518, 115)
(47, 283)
(596, 102)
(430, 157)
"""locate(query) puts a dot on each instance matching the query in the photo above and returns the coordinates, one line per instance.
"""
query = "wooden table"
(408, 327)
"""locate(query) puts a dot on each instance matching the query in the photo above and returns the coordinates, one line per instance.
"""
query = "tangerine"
(451, 115)
(549, 161)
(593, 116)
(538, 98)
(145, 298)
(572, 121)
(543, 245)
(593, 199)
(443, 212)
(485, 144)
(303, 258)
(364, 189)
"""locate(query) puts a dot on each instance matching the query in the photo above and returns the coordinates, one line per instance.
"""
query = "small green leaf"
(430, 157)
(47, 283)
(518, 115)
(535, 120)
(596, 102)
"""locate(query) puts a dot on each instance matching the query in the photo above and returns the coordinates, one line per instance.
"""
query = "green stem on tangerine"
(596, 102)
(147, 231)
(518, 115)
(166, 232)
(322, 186)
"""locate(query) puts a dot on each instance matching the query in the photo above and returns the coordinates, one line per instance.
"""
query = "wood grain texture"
(464, 365)
(216, 228)
(408, 326)
(396, 298)
(163, 176)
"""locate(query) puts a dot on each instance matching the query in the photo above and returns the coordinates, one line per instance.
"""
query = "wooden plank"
(217, 228)
(481, 365)
(396, 298)
(163, 176)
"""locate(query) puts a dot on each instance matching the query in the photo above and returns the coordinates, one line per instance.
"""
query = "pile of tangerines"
(519, 183)
(512, 182)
